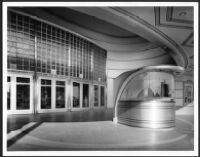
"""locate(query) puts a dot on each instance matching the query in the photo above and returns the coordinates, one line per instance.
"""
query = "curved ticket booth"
(146, 98)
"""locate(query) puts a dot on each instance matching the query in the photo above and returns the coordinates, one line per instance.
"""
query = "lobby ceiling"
(89, 22)
(128, 27)
(176, 23)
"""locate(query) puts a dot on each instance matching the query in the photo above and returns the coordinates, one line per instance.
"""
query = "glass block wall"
(21, 42)
(57, 50)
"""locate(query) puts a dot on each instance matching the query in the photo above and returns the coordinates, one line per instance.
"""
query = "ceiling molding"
(92, 29)
(170, 19)
(189, 41)
(158, 32)
(141, 59)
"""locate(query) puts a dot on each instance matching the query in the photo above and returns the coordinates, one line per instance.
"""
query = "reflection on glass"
(23, 80)
(188, 93)
(102, 96)
(85, 95)
(60, 94)
(96, 95)
(76, 94)
(8, 93)
(149, 85)
(45, 94)
(23, 93)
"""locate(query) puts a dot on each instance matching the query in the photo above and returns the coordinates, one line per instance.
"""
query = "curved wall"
(123, 54)
(119, 100)
(139, 50)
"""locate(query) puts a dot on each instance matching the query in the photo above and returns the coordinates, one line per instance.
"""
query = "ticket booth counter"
(146, 98)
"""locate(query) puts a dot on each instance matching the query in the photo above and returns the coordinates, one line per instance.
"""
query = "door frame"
(53, 95)
(13, 100)
(81, 96)
(99, 97)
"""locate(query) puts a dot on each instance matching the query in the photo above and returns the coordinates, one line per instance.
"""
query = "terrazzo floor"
(101, 134)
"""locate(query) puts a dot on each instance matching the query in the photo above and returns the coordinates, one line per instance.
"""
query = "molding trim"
(169, 19)
(185, 43)
(154, 29)
(154, 57)
(85, 27)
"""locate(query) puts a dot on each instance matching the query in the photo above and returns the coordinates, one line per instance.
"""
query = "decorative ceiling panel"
(174, 17)
(180, 15)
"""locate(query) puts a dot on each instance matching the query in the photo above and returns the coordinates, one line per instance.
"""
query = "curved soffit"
(109, 43)
(158, 35)
(122, 18)
(137, 47)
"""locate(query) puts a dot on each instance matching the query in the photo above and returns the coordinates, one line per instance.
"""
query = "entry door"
(19, 94)
(52, 95)
(76, 93)
(99, 96)
(80, 95)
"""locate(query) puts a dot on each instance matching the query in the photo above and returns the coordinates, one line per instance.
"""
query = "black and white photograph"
(100, 78)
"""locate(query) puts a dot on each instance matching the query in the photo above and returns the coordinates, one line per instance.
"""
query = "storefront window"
(85, 95)
(23, 93)
(45, 94)
(76, 94)
(149, 85)
(60, 94)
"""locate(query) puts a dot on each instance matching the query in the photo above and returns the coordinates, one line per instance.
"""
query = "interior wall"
(123, 54)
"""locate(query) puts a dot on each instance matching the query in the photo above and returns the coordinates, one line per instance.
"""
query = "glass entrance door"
(99, 96)
(76, 95)
(102, 97)
(19, 94)
(60, 94)
(45, 94)
(52, 95)
(96, 95)
(23, 93)
(80, 96)
(85, 100)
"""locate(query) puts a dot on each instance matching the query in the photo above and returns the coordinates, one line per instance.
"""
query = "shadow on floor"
(15, 122)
